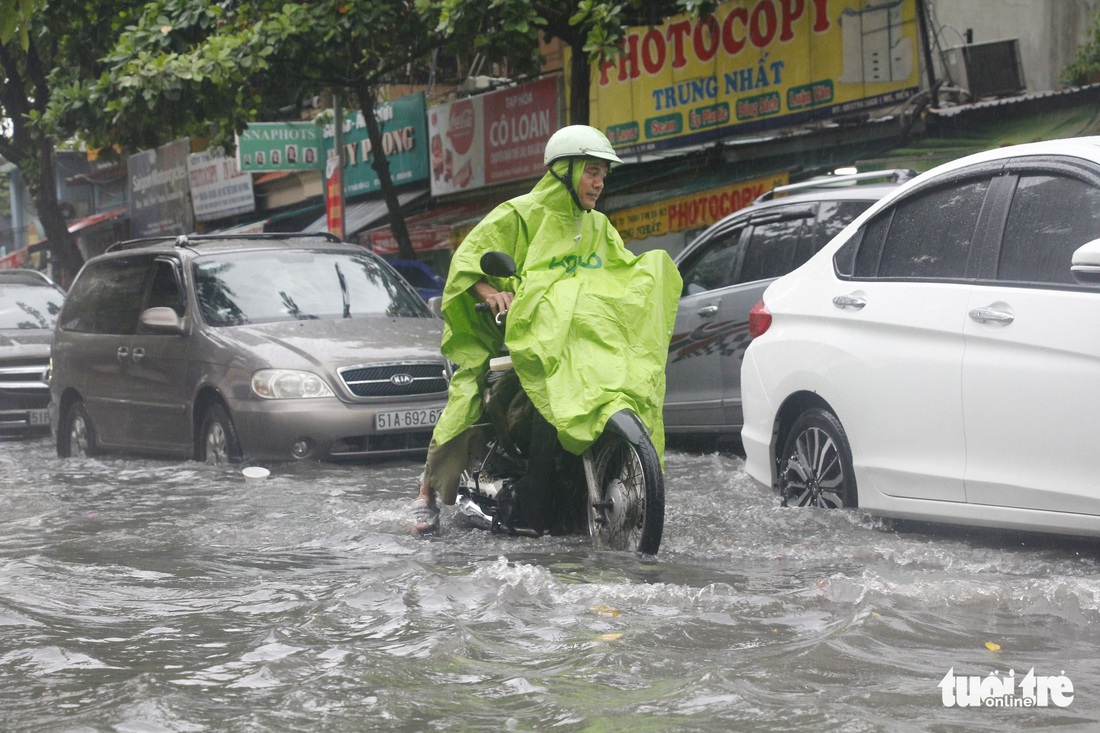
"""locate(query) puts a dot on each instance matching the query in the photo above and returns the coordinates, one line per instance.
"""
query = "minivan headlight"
(288, 384)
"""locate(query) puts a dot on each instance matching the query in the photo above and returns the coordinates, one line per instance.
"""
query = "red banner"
(334, 197)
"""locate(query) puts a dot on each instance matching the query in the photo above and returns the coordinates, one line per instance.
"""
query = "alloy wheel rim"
(217, 450)
(814, 475)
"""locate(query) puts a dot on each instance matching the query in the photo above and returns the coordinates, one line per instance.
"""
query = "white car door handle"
(707, 311)
(137, 354)
(849, 301)
(990, 315)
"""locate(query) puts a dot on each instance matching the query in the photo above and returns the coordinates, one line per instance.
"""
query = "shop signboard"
(492, 138)
(267, 147)
(755, 65)
(159, 190)
(690, 211)
(218, 187)
(404, 141)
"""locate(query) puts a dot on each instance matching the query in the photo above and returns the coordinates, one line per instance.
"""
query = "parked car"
(939, 360)
(427, 281)
(245, 347)
(29, 304)
(725, 271)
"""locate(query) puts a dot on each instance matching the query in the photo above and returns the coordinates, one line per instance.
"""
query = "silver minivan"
(245, 347)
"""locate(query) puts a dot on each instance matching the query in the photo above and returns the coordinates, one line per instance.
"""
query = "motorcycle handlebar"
(484, 308)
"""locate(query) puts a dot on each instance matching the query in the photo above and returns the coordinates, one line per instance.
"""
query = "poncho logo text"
(572, 262)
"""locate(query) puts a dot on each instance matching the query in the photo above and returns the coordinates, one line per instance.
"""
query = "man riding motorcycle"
(588, 322)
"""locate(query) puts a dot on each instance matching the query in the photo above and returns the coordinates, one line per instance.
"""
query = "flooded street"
(145, 595)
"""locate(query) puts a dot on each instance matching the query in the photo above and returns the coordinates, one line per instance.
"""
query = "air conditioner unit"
(986, 69)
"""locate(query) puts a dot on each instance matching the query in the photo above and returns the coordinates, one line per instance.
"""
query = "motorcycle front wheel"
(626, 492)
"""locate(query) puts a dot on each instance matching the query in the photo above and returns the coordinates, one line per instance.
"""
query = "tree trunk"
(381, 166)
(580, 79)
(64, 255)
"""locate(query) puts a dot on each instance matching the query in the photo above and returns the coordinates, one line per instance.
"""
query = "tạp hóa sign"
(753, 65)
(691, 211)
(404, 131)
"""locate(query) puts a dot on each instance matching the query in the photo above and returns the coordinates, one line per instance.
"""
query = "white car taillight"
(760, 319)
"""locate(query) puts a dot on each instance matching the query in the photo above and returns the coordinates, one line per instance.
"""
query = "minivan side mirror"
(435, 305)
(162, 320)
(1085, 264)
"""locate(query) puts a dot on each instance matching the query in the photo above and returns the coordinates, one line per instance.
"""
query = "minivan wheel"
(76, 434)
(218, 438)
(815, 466)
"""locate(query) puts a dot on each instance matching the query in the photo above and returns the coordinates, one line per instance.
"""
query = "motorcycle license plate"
(407, 419)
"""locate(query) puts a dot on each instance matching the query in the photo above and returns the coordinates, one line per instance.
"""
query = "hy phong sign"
(753, 65)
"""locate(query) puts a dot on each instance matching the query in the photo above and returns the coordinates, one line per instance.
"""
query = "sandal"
(425, 518)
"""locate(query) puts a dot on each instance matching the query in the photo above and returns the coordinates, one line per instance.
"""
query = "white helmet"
(579, 141)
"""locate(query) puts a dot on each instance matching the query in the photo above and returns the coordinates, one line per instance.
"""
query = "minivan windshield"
(29, 306)
(286, 285)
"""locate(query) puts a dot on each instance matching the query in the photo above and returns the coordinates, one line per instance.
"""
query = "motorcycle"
(524, 482)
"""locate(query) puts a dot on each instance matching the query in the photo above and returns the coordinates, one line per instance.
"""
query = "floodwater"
(145, 595)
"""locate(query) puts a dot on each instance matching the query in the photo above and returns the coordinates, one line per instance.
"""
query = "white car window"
(914, 250)
(1050, 217)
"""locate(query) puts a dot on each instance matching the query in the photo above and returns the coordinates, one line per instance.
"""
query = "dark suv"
(29, 304)
(245, 347)
(726, 270)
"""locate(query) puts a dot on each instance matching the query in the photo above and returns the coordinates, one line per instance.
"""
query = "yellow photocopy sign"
(691, 211)
(754, 65)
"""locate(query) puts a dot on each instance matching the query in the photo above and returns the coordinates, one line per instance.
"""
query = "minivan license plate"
(39, 417)
(407, 419)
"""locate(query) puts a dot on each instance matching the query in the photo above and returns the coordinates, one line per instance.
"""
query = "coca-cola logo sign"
(461, 126)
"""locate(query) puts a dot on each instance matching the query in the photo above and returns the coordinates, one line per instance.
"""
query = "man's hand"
(498, 301)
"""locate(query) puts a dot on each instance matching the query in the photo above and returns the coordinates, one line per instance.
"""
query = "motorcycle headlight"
(288, 384)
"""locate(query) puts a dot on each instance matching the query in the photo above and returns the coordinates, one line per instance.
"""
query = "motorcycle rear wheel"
(626, 491)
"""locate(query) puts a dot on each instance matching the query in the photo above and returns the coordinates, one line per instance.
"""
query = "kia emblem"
(401, 380)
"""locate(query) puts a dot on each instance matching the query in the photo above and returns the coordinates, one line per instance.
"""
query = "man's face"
(591, 184)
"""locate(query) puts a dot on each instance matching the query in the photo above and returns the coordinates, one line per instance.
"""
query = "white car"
(935, 361)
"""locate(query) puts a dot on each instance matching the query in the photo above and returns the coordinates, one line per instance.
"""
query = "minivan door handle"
(849, 301)
(707, 311)
(137, 354)
(123, 352)
(991, 315)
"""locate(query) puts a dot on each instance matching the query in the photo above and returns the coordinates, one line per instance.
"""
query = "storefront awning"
(91, 221)
(361, 215)
(441, 228)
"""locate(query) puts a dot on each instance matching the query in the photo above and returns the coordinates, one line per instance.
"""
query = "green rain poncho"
(588, 329)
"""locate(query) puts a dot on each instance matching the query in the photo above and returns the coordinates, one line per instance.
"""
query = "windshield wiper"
(344, 290)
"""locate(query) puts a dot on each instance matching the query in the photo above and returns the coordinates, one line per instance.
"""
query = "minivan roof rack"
(897, 175)
(185, 240)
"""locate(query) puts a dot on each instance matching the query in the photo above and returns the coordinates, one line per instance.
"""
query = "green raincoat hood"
(588, 329)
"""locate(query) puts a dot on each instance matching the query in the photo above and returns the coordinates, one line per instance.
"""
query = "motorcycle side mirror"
(498, 264)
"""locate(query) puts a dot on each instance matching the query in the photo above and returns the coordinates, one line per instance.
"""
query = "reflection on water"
(159, 596)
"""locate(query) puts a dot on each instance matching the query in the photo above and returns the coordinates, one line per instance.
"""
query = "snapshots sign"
(266, 147)
(492, 138)
(404, 141)
(752, 65)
